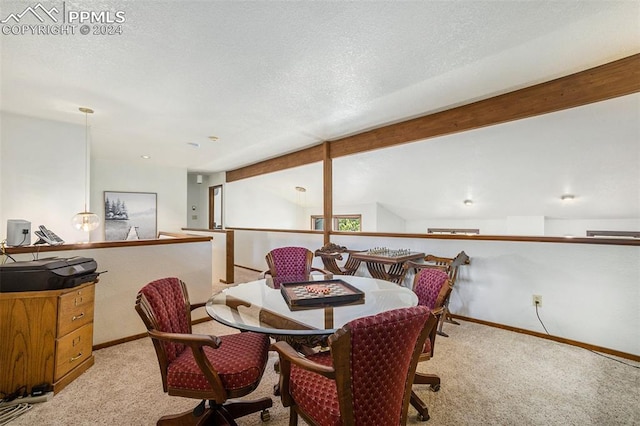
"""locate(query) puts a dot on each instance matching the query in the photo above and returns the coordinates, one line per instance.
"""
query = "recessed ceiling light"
(213, 138)
(567, 197)
(468, 202)
(301, 189)
(194, 144)
(146, 157)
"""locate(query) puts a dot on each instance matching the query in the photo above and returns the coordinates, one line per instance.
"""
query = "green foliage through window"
(346, 223)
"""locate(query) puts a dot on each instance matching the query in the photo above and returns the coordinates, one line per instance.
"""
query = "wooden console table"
(47, 337)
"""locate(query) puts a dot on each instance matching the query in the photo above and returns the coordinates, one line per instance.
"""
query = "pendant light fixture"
(85, 220)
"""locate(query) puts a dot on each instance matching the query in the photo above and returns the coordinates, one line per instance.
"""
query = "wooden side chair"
(290, 261)
(366, 376)
(330, 253)
(432, 286)
(209, 368)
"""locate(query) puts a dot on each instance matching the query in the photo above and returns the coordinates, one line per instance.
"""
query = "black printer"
(52, 273)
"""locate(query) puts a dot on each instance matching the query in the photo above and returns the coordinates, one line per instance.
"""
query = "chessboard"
(387, 252)
(318, 294)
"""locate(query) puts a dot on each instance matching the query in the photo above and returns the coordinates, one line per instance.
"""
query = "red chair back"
(290, 261)
(381, 363)
(170, 308)
(427, 285)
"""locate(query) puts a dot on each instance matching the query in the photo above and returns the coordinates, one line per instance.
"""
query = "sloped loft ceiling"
(272, 77)
(596, 159)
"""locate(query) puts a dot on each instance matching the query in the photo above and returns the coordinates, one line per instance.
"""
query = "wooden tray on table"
(318, 294)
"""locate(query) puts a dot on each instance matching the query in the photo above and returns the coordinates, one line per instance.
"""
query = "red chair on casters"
(365, 378)
(432, 286)
(210, 368)
(450, 266)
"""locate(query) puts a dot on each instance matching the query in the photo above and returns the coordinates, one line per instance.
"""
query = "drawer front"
(73, 349)
(75, 309)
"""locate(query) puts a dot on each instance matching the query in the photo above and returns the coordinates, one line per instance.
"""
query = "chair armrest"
(234, 302)
(263, 274)
(288, 356)
(438, 311)
(194, 340)
(337, 256)
(198, 305)
(291, 356)
(320, 270)
(196, 343)
(419, 265)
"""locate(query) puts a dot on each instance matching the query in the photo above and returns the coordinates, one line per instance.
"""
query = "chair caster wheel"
(422, 418)
(435, 388)
(276, 390)
(265, 416)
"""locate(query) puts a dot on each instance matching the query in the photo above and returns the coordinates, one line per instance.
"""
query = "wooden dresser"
(45, 337)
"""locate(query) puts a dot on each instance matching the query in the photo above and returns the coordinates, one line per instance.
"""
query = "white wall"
(169, 183)
(375, 217)
(198, 197)
(578, 228)
(387, 221)
(552, 226)
(197, 209)
(43, 179)
(590, 293)
(42, 174)
(486, 226)
(250, 207)
(252, 246)
(218, 254)
(525, 225)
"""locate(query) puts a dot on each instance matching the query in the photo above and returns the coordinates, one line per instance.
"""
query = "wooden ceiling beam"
(287, 161)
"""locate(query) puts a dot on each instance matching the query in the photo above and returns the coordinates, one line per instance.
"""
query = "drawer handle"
(78, 300)
(76, 317)
(73, 358)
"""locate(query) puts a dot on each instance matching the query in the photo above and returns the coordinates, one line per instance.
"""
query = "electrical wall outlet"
(537, 300)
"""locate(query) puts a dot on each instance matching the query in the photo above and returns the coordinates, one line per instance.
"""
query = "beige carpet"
(489, 377)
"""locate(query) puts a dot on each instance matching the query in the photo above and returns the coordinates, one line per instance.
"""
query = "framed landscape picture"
(130, 215)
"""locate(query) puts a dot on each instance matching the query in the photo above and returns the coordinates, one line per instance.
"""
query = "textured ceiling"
(270, 77)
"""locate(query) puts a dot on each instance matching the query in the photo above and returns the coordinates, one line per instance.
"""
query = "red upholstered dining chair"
(450, 265)
(432, 286)
(290, 261)
(210, 368)
(366, 376)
